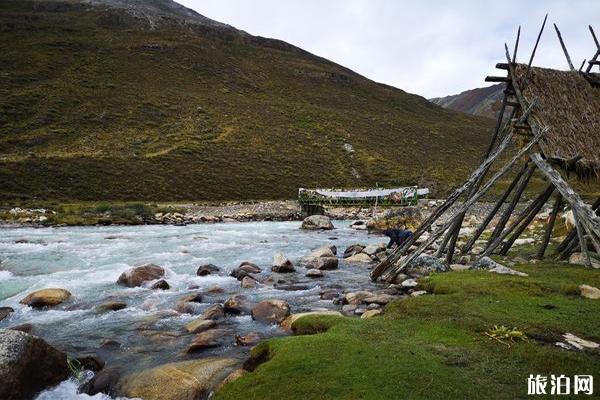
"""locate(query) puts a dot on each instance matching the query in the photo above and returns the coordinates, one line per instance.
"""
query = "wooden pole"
(395, 269)
(562, 44)
(514, 59)
(550, 226)
(537, 42)
(494, 211)
(527, 220)
(582, 242)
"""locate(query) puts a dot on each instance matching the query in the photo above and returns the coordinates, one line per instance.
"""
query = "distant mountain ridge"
(484, 102)
(148, 100)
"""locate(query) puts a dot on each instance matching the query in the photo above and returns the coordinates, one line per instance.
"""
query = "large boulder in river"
(317, 222)
(320, 262)
(360, 258)
(352, 250)
(207, 269)
(282, 264)
(46, 298)
(137, 276)
(27, 365)
(237, 304)
(187, 380)
(325, 251)
(271, 311)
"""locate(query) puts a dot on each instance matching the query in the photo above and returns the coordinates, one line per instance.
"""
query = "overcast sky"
(432, 48)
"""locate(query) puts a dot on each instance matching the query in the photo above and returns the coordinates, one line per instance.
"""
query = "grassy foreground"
(435, 347)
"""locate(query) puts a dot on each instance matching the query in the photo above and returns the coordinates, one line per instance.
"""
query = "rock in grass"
(409, 283)
(355, 298)
(425, 265)
(288, 323)
(236, 374)
(207, 269)
(589, 292)
(371, 313)
(5, 311)
(581, 259)
(176, 381)
(137, 276)
(46, 298)
(317, 222)
(27, 365)
(282, 264)
(271, 311)
(487, 263)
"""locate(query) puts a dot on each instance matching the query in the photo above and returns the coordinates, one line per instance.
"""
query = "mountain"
(484, 102)
(148, 100)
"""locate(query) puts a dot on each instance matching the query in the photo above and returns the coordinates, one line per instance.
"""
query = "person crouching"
(397, 236)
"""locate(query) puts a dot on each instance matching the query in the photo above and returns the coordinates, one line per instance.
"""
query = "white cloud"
(432, 48)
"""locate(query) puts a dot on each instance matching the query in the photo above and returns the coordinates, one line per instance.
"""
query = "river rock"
(137, 276)
(317, 222)
(200, 324)
(111, 306)
(355, 298)
(381, 299)
(236, 305)
(418, 293)
(5, 311)
(320, 262)
(248, 282)
(187, 380)
(208, 339)
(46, 298)
(161, 284)
(271, 311)
(360, 258)
(207, 269)
(250, 267)
(247, 340)
(215, 312)
(314, 273)
(27, 365)
(409, 283)
(373, 249)
(425, 265)
(288, 323)
(282, 264)
(91, 361)
(589, 292)
(352, 250)
(325, 251)
(329, 294)
(359, 225)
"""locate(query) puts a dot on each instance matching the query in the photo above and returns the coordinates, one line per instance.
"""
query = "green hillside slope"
(105, 103)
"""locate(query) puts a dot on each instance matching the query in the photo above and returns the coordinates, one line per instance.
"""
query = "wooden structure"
(401, 196)
(554, 124)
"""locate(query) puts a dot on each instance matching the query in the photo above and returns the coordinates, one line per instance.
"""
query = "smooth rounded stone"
(581, 259)
(409, 283)
(486, 263)
(28, 364)
(250, 339)
(208, 339)
(161, 284)
(214, 312)
(27, 328)
(589, 292)
(323, 263)
(398, 279)
(371, 313)
(186, 307)
(356, 298)
(381, 299)
(282, 264)
(360, 310)
(91, 361)
(373, 249)
(349, 309)
(207, 269)
(248, 282)
(192, 298)
(236, 305)
(418, 293)
(271, 311)
(111, 306)
(5, 311)
(46, 298)
(288, 323)
(137, 276)
(325, 251)
(215, 289)
(352, 250)
(200, 324)
(317, 222)
(186, 380)
(458, 267)
(314, 273)
(359, 225)
(233, 376)
(104, 381)
(250, 267)
(360, 258)
(373, 306)
(425, 265)
(329, 294)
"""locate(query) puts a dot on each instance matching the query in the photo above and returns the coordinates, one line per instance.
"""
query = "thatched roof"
(568, 104)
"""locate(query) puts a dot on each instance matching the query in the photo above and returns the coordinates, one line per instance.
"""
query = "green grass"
(435, 347)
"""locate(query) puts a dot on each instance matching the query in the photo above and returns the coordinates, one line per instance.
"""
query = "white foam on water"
(5, 275)
(67, 390)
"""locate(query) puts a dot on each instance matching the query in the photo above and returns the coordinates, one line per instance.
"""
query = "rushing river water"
(87, 261)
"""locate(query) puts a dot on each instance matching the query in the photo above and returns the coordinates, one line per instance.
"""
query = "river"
(87, 261)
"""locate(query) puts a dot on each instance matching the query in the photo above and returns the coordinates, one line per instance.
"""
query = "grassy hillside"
(96, 103)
